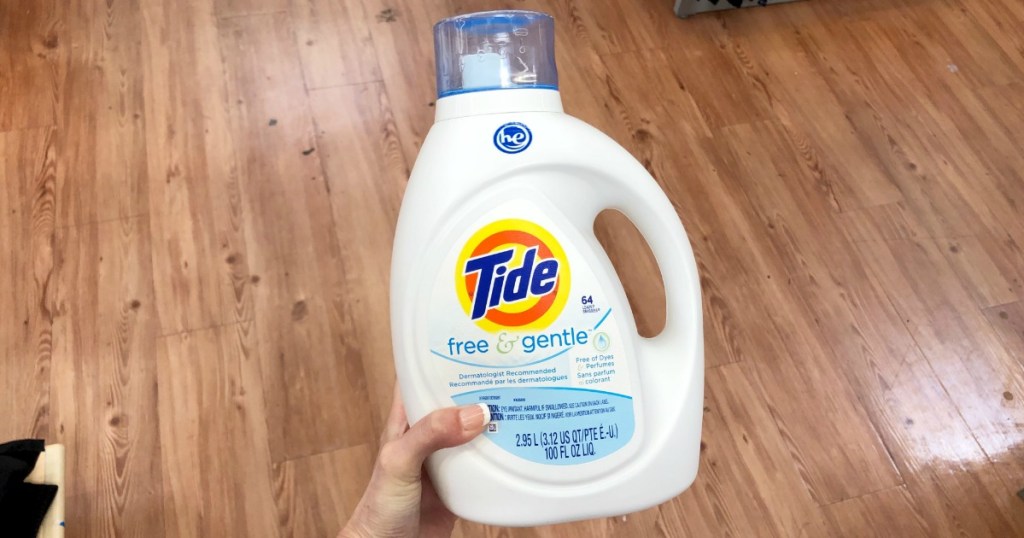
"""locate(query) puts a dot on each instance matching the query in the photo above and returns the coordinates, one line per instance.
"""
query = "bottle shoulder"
(574, 164)
(486, 146)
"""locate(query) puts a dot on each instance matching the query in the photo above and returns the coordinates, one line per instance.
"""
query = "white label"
(519, 322)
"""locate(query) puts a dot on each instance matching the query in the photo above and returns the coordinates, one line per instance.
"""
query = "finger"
(402, 459)
(397, 421)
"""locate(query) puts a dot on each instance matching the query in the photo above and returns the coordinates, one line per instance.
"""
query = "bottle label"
(519, 321)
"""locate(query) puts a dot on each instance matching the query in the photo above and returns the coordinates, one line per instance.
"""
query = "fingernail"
(474, 417)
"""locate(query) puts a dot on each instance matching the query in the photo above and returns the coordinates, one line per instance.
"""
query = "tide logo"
(512, 137)
(512, 274)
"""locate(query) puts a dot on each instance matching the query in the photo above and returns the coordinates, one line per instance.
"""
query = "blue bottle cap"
(495, 50)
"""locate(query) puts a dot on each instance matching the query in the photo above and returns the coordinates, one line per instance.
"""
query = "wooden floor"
(197, 200)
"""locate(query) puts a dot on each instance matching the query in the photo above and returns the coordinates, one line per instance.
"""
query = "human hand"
(400, 500)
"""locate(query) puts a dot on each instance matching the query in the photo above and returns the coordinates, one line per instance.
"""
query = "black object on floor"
(22, 506)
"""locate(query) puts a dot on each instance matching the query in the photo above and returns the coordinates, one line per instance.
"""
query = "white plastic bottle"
(501, 294)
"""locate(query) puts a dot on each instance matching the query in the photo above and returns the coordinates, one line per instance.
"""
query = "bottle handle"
(674, 358)
(654, 216)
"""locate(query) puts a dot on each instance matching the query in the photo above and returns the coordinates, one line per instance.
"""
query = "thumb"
(402, 459)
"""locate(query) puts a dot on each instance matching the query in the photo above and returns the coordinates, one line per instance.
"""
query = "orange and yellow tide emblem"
(512, 275)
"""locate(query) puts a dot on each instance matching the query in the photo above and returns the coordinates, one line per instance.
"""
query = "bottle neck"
(497, 102)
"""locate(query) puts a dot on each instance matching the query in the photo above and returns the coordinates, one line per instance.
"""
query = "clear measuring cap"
(495, 50)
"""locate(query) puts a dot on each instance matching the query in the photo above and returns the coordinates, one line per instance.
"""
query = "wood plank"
(613, 27)
(402, 35)
(581, 70)
(852, 315)
(982, 266)
(832, 437)
(896, 384)
(933, 446)
(985, 174)
(926, 183)
(724, 93)
(959, 344)
(803, 102)
(315, 495)
(1007, 110)
(889, 512)
(33, 50)
(1006, 31)
(103, 137)
(780, 87)
(334, 42)
(663, 112)
(199, 255)
(901, 142)
(804, 364)
(239, 8)
(104, 388)
(1008, 322)
(858, 321)
(948, 24)
(366, 174)
(27, 182)
(279, 165)
(310, 360)
(213, 435)
(887, 222)
(748, 484)
(720, 228)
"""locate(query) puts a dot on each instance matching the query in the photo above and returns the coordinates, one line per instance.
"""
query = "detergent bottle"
(502, 295)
